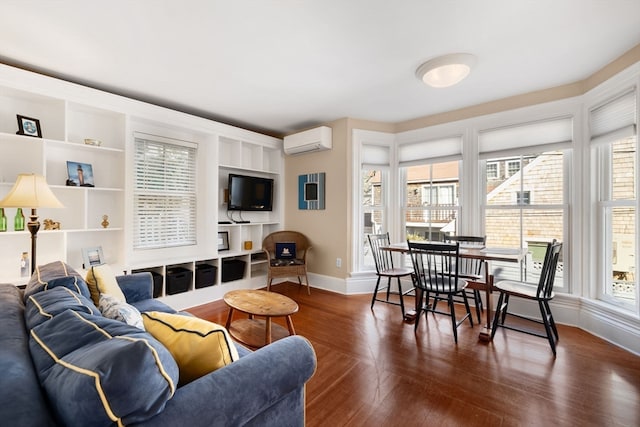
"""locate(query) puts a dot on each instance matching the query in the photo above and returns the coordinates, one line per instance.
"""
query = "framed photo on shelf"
(223, 240)
(29, 126)
(79, 174)
(92, 257)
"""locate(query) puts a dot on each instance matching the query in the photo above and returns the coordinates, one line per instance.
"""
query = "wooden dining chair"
(471, 268)
(385, 269)
(542, 293)
(435, 269)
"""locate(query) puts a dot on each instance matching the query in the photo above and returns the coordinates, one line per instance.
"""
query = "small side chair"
(471, 268)
(435, 267)
(386, 269)
(294, 268)
(542, 293)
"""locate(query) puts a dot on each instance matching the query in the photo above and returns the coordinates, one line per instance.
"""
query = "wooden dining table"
(487, 255)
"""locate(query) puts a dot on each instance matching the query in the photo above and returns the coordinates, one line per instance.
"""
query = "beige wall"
(330, 229)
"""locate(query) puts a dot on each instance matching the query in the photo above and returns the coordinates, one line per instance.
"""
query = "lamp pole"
(33, 225)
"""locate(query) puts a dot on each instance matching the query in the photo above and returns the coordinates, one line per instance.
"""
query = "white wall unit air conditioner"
(317, 139)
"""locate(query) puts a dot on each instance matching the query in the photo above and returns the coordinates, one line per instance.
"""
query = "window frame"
(171, 208)
(603, 201)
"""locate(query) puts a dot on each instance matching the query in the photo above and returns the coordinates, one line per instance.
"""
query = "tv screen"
(250, 193)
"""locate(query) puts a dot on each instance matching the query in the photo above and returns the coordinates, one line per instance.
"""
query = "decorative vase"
(18, 222)
(105, 221)
(3, 220)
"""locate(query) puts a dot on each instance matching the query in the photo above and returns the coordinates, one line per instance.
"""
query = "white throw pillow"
(113, 308)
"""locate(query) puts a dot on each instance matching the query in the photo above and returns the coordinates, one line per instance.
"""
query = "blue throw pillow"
(45, 277)
(44, 306)
(99, 371)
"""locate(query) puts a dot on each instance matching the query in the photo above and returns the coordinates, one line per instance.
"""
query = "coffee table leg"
(229, 316)
(267, 337)
(292, 331)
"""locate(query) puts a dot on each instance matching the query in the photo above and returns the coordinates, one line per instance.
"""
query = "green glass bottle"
(3, 220)
(18, 222)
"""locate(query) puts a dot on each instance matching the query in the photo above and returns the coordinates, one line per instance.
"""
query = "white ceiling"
(282, 65)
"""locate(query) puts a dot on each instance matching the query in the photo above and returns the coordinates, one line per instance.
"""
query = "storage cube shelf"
(68, 115)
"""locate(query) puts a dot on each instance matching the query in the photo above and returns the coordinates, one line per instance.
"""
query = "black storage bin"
(205, 275)
(157, 281)
(178, 280)
(232, 269)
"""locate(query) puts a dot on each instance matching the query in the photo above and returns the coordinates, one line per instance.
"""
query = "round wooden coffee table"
(259, 332)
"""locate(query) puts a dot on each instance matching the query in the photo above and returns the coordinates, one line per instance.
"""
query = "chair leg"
(269, 283)
(479, 299)
(307, 281)
(479, 308)
(551, 321)
(419, 308)
(506, 306)
(467, 307)
(452, 310)
(375, 292)
(497, 315)
(547, 326)
(388, 287)
(401, 297)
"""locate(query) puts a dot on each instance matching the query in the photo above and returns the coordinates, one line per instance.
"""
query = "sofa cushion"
(115, 309)
(22, 400)
(198, 346)
(44, 306)
(102, 280)
(55, 274)
(99, 371)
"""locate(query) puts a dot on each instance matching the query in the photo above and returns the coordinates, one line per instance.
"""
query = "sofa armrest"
(245, 389)
(136, 286)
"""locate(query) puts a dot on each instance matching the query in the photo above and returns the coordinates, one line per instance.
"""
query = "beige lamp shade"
(31, 191)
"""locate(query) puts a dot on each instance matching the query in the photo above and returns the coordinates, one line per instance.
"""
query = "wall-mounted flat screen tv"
(250, 193)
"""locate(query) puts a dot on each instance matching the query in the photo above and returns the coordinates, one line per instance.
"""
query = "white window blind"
(614, 120)
(375, 156)
(432, 151)
(164, 193)
(547, 135)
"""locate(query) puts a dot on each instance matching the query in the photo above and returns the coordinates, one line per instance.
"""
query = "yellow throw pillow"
(101, 280)
(198, 346)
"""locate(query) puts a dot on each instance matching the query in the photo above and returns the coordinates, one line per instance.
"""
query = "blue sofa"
(262, 388)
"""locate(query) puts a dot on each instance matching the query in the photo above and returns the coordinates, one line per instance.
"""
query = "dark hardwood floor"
(374, 371)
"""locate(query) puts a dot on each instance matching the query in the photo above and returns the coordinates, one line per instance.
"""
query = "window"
(523, 197)
(164, 205)
(513, 167)
(614, 145)
(431, 170)
(432, 200)
(373, 179)
(492, 170)
(373, 209)
(527, 209)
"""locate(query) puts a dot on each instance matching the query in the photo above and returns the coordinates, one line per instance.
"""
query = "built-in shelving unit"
(68, 115)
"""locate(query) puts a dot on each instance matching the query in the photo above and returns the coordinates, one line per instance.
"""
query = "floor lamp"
(32, 192)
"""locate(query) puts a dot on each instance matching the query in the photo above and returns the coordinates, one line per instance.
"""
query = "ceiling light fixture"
(447, 70)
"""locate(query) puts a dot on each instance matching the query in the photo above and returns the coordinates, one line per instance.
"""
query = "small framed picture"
(29, 126)
(92, 257)
(223, 240)
(79, 174)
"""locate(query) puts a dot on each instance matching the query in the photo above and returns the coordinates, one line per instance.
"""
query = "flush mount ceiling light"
(447, 70)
